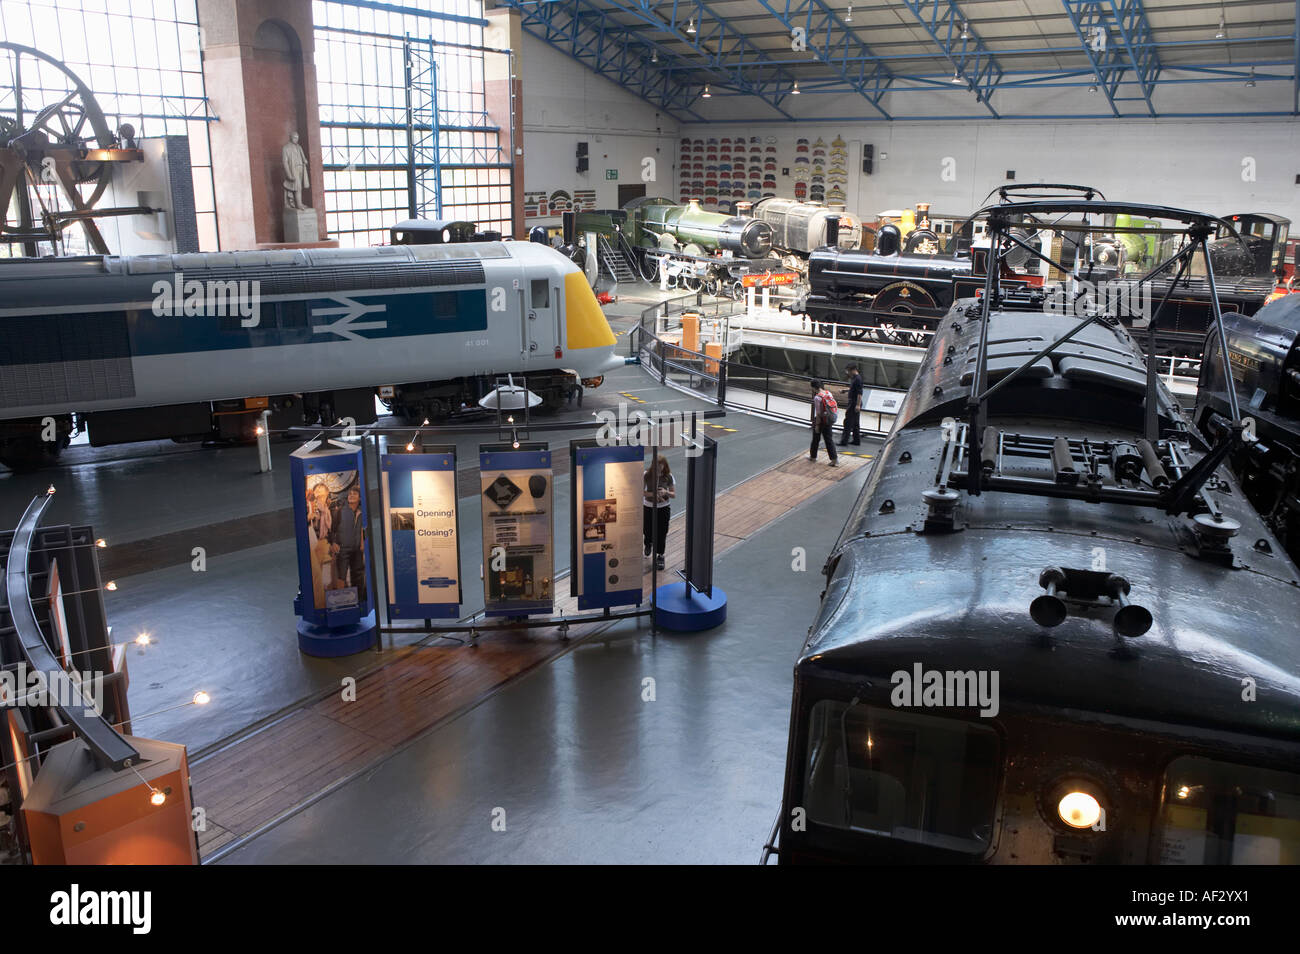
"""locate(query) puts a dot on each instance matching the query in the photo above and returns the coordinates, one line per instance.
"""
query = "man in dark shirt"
(349, 537)
(851, 408)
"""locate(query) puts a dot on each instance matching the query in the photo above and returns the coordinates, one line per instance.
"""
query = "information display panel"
(606, 522)
(422, 534)
(517, 489)
(330, 519)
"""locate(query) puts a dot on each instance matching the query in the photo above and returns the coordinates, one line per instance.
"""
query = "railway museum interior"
(405, 421)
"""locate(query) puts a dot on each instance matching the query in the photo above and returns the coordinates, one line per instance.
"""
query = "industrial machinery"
(1041, 614)
(1264, 357)
(196, 347)
(57, 153)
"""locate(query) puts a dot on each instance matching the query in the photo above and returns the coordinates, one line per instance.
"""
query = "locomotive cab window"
(541, 292)
(904, 776)
(1217, 813)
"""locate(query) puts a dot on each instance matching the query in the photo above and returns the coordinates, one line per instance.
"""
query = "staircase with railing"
(615, 262)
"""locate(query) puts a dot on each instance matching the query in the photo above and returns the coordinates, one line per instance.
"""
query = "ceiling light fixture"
(965, 30)
(795, 90)
(1092, 88)
(706, 94)
(654, 56)
(1251, 82)
(1223, 29)
(848, 14)
(956, 77)
(690, 27)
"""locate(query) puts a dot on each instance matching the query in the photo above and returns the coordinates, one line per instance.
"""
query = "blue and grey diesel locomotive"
(197, 346)
(1054, 630)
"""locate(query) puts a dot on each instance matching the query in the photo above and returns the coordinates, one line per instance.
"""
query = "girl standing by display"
(657, 526)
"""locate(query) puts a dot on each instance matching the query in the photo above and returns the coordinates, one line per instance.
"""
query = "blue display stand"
(330, 626)
(337, 640)
(683, 613)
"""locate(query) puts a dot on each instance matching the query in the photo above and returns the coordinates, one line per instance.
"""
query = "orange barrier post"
(691, 331)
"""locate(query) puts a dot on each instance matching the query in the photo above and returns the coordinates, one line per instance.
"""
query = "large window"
(139, 59)
(1217, 813)
(916, 778)
(372, 161)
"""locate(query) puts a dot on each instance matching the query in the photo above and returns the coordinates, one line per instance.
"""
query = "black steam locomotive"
(1264, 355)
(893, 289)
(1054, 631)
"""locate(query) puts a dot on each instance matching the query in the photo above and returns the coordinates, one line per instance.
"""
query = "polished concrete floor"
(584, 769)
(580, 765)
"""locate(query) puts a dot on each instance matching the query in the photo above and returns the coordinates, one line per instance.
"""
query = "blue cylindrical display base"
(675, 610)
(338, 641)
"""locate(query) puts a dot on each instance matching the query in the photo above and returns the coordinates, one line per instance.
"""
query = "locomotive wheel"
(690, 282)
(712, 286)
(648, 266)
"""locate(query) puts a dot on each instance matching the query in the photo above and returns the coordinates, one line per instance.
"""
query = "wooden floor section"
(255, 780)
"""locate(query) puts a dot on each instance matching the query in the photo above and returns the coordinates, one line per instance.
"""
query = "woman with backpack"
(824, 413)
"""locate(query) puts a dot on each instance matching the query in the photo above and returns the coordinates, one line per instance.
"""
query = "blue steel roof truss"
(830, 40)
(970, 56)
(645, 46)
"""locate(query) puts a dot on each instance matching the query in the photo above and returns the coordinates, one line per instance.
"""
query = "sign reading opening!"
(422, 530)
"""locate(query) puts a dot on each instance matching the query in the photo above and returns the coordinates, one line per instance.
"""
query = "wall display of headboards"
(720, 171)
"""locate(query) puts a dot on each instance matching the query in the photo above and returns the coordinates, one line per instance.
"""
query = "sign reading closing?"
(421, 525)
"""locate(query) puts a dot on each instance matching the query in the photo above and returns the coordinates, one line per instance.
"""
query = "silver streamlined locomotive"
(196, 346)
(1054, 630)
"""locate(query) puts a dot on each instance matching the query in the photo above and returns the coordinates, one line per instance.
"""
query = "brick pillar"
(261, 81)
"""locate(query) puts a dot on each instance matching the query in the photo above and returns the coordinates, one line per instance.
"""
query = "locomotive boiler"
(800, 227)
(1039, 619)
(658, 223)
(197, 346)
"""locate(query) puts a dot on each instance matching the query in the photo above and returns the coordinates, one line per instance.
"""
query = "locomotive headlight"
(1079, 809)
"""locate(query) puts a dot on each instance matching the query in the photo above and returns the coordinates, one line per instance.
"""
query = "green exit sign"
(611, 173)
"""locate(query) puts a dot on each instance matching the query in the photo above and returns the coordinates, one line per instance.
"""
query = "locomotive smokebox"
(748, 237)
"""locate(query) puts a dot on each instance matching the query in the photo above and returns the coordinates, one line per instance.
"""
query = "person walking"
(658, 509)
(852, 409)
(823, 420)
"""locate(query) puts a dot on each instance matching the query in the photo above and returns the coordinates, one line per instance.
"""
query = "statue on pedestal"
(295, 173)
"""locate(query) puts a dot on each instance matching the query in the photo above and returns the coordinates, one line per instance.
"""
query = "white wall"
(1191, 163)
(1195, 165)
(565, 103)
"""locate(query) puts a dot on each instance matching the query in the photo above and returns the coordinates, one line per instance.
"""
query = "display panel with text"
(518, 546)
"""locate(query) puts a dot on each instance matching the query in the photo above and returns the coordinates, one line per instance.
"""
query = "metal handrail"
(108, 747)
